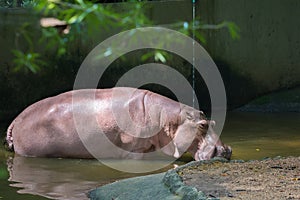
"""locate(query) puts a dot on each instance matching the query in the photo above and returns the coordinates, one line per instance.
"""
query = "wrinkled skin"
(136, 121)
(212, 146)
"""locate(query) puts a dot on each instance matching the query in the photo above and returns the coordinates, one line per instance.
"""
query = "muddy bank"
(277, 178)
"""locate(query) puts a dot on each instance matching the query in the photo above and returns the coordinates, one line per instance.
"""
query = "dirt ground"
(277, 178)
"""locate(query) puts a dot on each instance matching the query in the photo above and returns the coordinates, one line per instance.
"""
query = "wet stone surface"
(277, 178)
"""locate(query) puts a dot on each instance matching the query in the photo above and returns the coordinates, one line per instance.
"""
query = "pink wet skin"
(211, 146)
(47, 127)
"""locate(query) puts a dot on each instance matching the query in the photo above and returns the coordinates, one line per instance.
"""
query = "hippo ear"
(212, 123)
(202, 115)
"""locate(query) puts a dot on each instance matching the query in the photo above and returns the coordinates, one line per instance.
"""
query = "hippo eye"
(189, 116)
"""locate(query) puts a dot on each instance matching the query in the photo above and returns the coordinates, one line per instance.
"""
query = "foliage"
(93, 15)
(3, 173)
(16, 3)
(28, 60)
(84, 17)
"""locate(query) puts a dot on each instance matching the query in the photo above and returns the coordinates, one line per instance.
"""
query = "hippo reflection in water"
(136, 121)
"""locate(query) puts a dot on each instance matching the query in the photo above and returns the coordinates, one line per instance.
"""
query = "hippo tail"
(8, 142)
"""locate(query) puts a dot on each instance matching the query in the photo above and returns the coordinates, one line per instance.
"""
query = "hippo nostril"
(228, 152)
(223, 151)
(203, 124)
(220, 148)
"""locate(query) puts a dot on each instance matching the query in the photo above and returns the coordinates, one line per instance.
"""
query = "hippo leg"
(8, 142)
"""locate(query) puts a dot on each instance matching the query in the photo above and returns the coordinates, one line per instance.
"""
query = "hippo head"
(195, 135)
(211, 146)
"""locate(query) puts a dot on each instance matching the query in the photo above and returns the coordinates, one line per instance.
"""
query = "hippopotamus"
(134, 120)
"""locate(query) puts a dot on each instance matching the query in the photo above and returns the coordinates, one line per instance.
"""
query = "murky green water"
(259, 135)
(251, 135)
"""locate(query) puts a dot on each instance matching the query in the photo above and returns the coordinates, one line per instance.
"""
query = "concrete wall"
(266, 58)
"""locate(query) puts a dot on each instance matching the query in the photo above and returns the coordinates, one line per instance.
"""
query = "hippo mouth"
(223, 151)
(208, 152)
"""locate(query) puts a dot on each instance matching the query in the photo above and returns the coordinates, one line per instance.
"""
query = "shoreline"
(270, 178)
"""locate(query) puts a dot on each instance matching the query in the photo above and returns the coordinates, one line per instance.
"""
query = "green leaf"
(73, 19)
(200, 37)
(160, 57)
(233, 30)
(51, 6)
(81, 3)
(25, 61)
(33, 67)
(17, 53)
(61, 51)
(147, 56)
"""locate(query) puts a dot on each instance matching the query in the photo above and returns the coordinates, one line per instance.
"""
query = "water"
(251, 135)
(256, 136)
(55, 178)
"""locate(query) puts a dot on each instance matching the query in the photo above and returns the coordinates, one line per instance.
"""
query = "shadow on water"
(53, 178)
(60, 178)
(251, 135)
